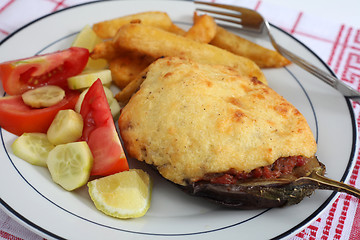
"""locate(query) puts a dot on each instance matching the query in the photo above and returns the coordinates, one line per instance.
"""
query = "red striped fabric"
(336, 44)
(58, 4)
(3, 6)
(298, 19)
(6, 235)
(6, 5)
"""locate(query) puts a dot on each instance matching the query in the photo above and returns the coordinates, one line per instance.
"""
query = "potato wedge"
(125, 67)
(176, 29)
(104, 50)
(263, 57)
(108, 28)
(203, 30)
(125, 94)
(107, 50)
(157, 43)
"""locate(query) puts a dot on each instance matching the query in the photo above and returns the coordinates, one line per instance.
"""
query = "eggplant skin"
(247, 197)
(256, 194)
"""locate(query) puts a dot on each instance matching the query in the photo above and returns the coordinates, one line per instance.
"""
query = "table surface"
(348, 13)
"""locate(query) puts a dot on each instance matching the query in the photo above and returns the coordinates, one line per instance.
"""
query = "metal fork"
(251, 20)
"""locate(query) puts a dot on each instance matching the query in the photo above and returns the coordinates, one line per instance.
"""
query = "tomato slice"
(21, 75)
(18, 118)
(100, 133)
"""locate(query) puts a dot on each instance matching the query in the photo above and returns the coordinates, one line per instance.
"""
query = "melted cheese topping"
(191, 119)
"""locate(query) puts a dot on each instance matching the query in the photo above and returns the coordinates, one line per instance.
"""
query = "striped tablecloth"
(335, 43)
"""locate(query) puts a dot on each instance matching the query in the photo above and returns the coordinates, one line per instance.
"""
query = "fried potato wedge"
(124, 68)
(157, 43)
(177, 30)
(263, 57)
(124, 65)
(203, 30)
(125, 94)
(104, 50)
(107, 29)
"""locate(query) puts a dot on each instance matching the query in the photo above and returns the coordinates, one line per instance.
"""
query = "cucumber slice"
(43, 96)
(70, 164)
(87, 78)
(66, 127)
(115, 108)
(33, 148)
(113, 103)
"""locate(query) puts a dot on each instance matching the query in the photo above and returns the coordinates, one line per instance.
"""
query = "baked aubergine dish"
(223, 136)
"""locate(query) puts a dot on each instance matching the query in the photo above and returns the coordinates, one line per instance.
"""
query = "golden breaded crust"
(189, 119)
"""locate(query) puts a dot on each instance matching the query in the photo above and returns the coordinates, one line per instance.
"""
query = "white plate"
(29, 195)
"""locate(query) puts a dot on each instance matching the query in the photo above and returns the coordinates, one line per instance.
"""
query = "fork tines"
(243, 17)
(237, 20)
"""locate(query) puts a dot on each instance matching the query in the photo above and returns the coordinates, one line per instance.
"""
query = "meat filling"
(282, 166)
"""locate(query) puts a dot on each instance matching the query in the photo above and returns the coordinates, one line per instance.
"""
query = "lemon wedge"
(122, 195)
(87, 38)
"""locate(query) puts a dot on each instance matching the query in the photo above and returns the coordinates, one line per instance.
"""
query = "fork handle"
(322, 182)
(346, 90)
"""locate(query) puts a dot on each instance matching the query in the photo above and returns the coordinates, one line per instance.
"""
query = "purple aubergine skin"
(259, 193)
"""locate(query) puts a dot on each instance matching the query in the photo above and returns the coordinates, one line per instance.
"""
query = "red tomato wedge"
(100, 133)
(17, 117)
(21, 75)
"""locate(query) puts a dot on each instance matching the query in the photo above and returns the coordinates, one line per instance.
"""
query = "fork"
(252, 21)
